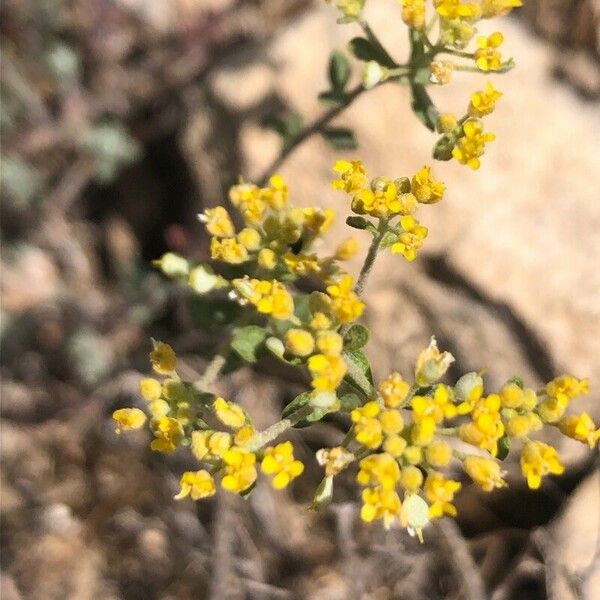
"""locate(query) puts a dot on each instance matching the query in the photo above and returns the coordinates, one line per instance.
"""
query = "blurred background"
(123, 119)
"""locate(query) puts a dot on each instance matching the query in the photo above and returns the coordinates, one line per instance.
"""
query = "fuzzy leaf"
(247, 342)
(367, 50)
(423, 106)
(340, 138)
(356, 337)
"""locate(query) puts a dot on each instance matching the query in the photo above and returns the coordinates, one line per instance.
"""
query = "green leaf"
(339, 71)
(340, 138)
(388, 239)
(288, 126)
(356, 337)
(248, 340)
(503, 447)
(517, 381)
(211, 313)
(423, 106)
(348, 402)
(302, 307)
(323, 493)
(360, 223)
(366, 50)
(359, 371)
(333, 98)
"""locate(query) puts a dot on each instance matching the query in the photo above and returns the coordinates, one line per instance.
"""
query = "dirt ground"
(120, 122)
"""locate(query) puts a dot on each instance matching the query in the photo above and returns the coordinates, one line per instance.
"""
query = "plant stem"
(274, 431)
(370, 258)
(212, 371)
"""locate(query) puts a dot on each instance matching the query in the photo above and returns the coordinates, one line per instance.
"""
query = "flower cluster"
(386, 199)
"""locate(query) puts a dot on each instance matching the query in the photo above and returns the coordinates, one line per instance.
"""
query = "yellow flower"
(455, 9)
(229, 413)
(334, 459)
(411, 239)
(472, 145)
(440, 493)
(427, 189)
(163, 358)
(552, 409)
(380, 201)
(567, 387)
(168, 433)
(299, 342)
(327, 371)
(330, 343)
(228, 250)
(249, 238)
(486, 427)
(347, 249)
(197, 484)
(345, 304)
(276, 195)
(353, 176)
(487, 57)
(218, 443)
(413, 455)
(269, 297)
(580, 428)
(513, 396)
(391, 421)
(413, 13)
(485, 472)
(539, 459)
(395, 445)
(159, 408)
(411, 478)
(438, 454)
(150, 389)
(351, 9)
(522, 425)
(240, 470)
(317, 221)
(246, 198)
(279, 461)
(218, 222)
(128, 418)
(367, 427)
(394, 390)
(446, 123)
(379, 470)
(498, 8)
(199, 444)
(267, 259)
(302, 264)
(320, 322)
(379, 503)
(441, 71)
(429, 412)
(484, 102)
(244, 435)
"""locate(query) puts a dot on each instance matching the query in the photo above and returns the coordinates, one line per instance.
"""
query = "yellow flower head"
(128, 418)
(379, 470)
(320, 322)
(228, 250)
(229, 413)
(279, 461)
(446, 123)
(249, 238)
(440, 491)
(581, 428)
(367, 427)
(168, 433)
(334, 459)
(539, 459)
(391, 421)
(317, 221)
(379, 503)
(484, 102)
(163, 358)
(498, 8)
(413, 455)
(567, 387)
(413, 13)
(353, 176)
(218, 222)
(351, 9)
(513, 396)
(411, 478)
(394, 390)
(276, 195)
(150, 389)
(456, 9)
(472, 145)
(487, 57)
(395, 445)
(327, 371)
(438, 454)
(267, 259)
(381, 200)
(427, 189)
(485, 472)
(197, 484)
(522, 425)
(299, 342)
(441, 71)
(486, 427)
(302, 264)
(330, 343)
(240, 470)
(411, 239)
(345, 304)
(246, 198)
(269, 297)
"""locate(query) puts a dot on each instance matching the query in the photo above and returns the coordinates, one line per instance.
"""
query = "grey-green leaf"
(340, 138)
(247, 341)
(356, 337)
(339, 71)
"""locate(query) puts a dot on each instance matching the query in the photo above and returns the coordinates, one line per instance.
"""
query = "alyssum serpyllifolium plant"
(403, 432)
